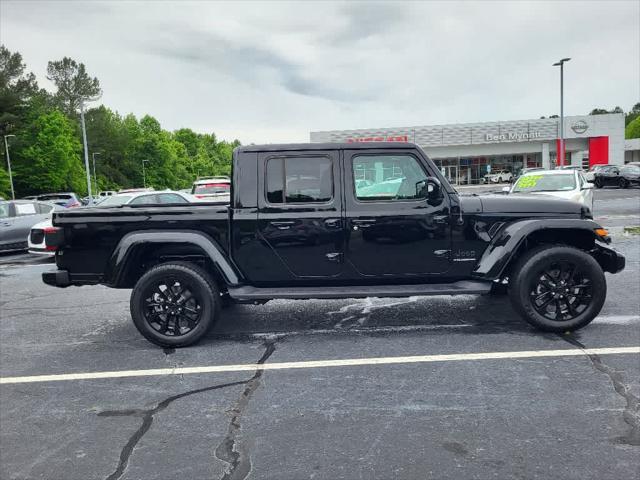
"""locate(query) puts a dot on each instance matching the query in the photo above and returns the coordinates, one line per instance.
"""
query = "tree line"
(46, 149)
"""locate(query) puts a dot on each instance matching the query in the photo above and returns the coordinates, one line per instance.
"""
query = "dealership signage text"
(511, 136)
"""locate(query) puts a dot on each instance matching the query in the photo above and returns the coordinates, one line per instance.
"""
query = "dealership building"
(466, 152)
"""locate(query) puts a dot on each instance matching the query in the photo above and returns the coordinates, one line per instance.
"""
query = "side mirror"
(431, 189)
(506, 189)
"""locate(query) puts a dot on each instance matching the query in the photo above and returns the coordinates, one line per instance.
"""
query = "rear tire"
(175, 304)
(557, 288)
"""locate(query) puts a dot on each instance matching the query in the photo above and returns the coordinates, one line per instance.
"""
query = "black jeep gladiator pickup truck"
(336, 221)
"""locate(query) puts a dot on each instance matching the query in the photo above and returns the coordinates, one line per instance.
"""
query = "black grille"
(37, 235)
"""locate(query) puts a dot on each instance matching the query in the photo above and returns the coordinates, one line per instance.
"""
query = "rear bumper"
(609, 259)
(57, 278)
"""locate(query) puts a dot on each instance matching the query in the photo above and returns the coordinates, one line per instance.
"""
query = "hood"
(527, 203)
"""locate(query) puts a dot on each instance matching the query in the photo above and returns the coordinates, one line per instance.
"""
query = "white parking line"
(349, 362)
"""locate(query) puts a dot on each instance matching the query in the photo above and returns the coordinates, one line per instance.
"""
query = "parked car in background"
(16, 219)
(571, 167)
(591, 173)
(566, 184)
(66, 200)
(167, 197)
(498, 177)
(613, 176)
(212, 188)
(36, 240)
(630, 175)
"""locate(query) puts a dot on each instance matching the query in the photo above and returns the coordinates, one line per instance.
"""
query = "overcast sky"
(273, 72)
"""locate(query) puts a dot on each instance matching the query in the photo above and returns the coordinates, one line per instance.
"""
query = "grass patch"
(632, 230)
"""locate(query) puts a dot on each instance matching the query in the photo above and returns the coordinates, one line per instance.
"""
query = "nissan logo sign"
(580, 126)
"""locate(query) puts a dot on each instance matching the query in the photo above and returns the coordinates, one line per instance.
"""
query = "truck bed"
(92, 234)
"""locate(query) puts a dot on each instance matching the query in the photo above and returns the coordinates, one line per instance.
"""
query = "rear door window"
(295, 180)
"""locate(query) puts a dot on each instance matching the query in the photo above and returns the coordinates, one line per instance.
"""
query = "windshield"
(545, 183)
(114, 201)
(211, 188)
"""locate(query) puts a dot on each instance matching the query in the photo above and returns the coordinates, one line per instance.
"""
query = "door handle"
(356, 224)
(282, 225)
(333, 223)
(334, 257)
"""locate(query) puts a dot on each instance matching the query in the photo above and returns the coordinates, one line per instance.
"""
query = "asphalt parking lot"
(437, 387)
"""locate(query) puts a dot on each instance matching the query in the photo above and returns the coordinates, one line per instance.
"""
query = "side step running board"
(254, 294)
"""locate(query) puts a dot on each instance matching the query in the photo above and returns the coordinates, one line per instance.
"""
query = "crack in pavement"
(147, 419)
(239, 462)
(631, 412)
(225, 451)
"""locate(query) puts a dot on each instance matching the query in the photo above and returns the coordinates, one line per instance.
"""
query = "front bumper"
(609, 259)
(57, 278)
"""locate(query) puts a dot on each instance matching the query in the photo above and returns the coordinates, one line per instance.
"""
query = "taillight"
(53, 237)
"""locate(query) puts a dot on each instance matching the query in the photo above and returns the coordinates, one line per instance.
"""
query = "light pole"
(86, 152)
(95, 177)
(560, 63)
(6, 147)
(144, 174)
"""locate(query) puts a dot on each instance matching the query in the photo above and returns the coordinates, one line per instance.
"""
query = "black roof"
(279, 147)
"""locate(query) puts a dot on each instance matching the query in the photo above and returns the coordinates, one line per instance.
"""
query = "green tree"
(51, 161)
(633, 114)
(73, 83)
(108, 139)
(633, 129)
(16, 89)
(5, 184)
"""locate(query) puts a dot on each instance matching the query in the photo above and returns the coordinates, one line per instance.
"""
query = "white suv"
(498, 177)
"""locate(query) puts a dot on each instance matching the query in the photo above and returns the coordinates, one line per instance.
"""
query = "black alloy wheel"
(175, 304)
(562, 292)
(171, 307)
(624, 183)
(557, 288)
(598, 183)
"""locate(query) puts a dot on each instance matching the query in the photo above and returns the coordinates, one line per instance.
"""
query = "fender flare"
(117, 264)
(506, 243)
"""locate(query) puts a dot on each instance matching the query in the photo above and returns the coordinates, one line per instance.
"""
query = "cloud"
(267, 72)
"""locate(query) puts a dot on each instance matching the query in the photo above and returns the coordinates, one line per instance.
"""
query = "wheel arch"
(140, 250)
(520, 236)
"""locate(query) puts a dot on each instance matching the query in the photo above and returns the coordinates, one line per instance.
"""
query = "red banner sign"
(392, 138)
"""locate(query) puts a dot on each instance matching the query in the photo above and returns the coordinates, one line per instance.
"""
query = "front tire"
(558, 288)
(624, 183)
(175, 304)
(598, 183)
